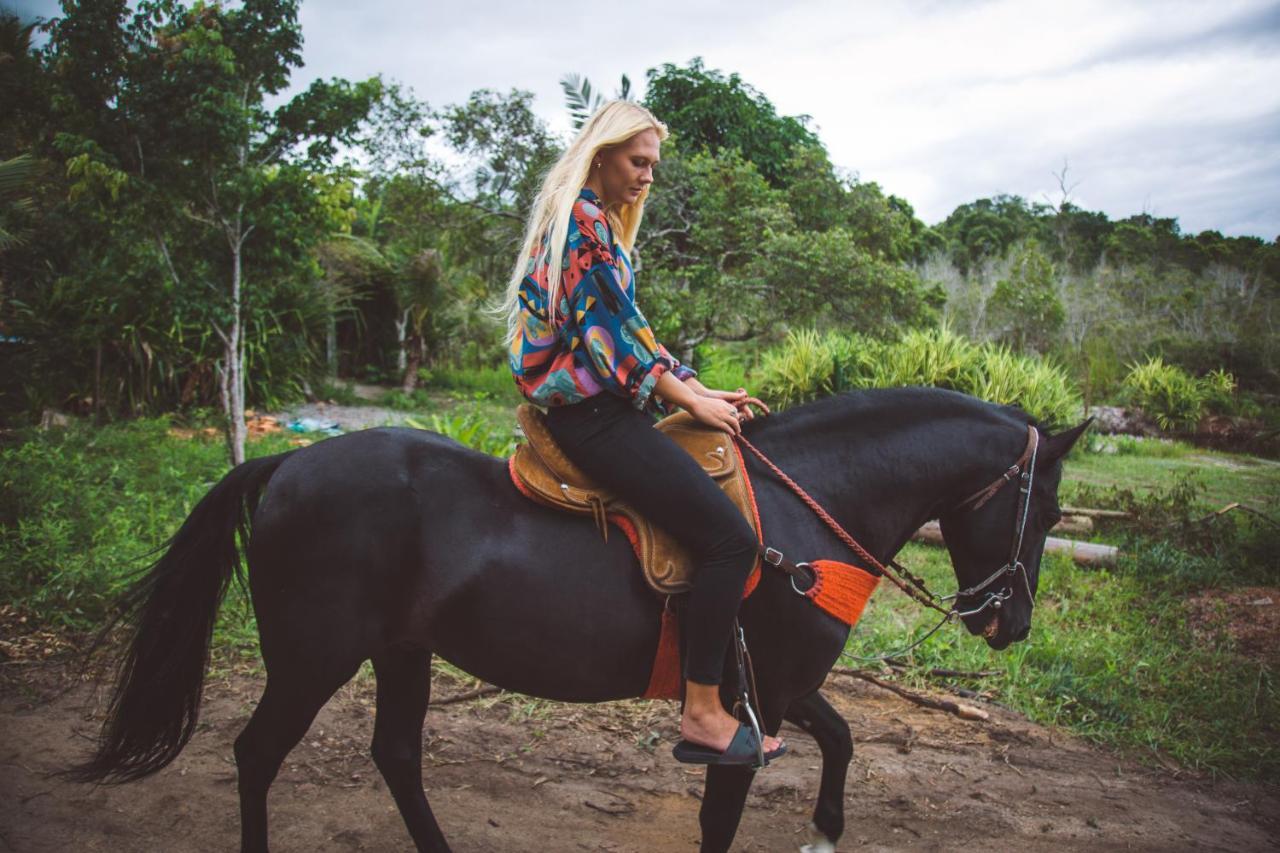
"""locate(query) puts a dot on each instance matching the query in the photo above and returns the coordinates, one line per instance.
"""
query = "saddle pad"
(541, 471)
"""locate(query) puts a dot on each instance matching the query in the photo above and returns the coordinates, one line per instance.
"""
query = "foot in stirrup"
(742, 750)
(709, 735)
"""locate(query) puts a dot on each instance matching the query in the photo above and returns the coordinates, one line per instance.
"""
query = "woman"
(581, 347)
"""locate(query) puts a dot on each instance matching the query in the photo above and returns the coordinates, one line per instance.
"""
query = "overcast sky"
(1172, 108)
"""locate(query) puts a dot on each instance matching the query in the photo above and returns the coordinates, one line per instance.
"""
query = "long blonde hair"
(614, 123)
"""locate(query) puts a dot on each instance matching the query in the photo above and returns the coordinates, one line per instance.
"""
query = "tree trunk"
(97, 384)
(402, 325)
(331, 345)
(409, 381)
(233, 368)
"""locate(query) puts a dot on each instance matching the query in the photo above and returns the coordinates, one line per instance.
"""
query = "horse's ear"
(1057, 446)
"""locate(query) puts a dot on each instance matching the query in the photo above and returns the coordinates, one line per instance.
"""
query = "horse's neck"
(880, 483)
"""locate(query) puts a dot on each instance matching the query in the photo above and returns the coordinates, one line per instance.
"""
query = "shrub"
(720, 367)
(801, 369)
(936, 357)
(1174, 397)
(473, 430)
(809, 365)
(1038, 385)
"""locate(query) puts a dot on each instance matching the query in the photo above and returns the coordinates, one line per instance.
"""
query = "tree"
(707, 110)
(582, 100)
(1025, 308)
(166, 123)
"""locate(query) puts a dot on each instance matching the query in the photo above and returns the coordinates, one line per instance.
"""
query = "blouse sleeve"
(609, 333)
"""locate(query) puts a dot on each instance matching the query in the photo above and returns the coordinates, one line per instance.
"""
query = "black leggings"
(616, 445)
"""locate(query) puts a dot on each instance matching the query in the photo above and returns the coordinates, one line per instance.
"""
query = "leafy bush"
(1038, 385)
(801, 369)
(490, 382)
(1175, 398)
(936, 357)
(809, 365)
(1166, 393)
(80, 509)
(473, 430)
(720, 367)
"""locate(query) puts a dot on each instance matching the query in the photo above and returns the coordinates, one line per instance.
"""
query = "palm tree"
(583, 101)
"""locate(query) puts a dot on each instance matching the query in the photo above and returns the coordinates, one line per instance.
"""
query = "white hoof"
(818, 843)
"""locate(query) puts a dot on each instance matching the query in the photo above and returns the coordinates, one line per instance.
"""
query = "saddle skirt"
(542, 472)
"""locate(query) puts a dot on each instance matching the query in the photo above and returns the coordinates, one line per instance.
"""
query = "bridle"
(1023, 470)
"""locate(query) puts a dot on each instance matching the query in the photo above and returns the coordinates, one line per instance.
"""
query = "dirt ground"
(505, 773)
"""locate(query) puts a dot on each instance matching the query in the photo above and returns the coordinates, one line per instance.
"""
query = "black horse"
(393, 545)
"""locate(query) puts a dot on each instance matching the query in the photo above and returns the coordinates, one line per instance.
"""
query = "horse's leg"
(725, 793)
(404, 689)
(723, 798)
(815, 715)
(289, 704)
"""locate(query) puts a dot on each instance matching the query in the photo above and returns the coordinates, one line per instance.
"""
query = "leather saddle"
(543, 473)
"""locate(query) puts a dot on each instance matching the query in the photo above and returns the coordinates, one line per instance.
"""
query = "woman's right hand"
(717, 413)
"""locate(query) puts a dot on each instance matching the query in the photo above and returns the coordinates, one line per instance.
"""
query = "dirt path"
(506, 773)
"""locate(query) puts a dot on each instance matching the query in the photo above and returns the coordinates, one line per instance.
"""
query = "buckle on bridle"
(773, 556)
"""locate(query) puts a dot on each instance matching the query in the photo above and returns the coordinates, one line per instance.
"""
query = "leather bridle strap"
(988, 491)
(817, 509)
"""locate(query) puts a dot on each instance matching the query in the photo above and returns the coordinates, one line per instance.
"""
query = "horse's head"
(996, 544)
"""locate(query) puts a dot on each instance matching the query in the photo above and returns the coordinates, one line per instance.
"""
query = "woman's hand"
(740, 399)
(717, 413)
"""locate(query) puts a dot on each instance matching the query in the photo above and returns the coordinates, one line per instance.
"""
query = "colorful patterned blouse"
(601, 341)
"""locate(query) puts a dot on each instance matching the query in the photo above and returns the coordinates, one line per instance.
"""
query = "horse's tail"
(171, 612)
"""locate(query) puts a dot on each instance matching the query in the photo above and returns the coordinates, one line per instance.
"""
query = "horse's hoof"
(818, 843)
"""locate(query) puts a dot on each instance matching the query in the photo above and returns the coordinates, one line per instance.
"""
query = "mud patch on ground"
(508, 773)
(1249, 617)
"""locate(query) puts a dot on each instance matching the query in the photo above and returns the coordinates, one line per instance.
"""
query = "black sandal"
(743, 751)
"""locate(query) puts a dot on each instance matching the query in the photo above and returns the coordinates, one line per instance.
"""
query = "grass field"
(1112, 655)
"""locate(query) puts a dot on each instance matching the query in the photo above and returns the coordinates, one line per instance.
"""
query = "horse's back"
(394, 535)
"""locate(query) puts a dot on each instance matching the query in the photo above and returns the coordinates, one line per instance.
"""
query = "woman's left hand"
(741, 400)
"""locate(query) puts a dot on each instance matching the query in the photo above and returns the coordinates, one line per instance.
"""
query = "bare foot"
(714, 728)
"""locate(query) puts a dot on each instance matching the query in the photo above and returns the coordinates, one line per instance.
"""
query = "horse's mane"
(897, 405)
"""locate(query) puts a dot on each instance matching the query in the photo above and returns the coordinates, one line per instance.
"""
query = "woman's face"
(625, 170)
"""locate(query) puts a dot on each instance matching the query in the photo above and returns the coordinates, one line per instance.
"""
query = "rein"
(1023, 469)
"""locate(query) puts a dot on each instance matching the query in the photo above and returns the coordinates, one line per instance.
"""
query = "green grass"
(1156, 464)
(1110, 658)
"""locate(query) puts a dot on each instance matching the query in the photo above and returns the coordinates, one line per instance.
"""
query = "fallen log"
(1095, 513)
(960, 709)
(1084, 553)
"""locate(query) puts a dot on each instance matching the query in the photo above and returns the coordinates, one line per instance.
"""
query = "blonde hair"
(612, 124)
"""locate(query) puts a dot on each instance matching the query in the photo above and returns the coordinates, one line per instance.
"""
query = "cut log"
(1084, 553)
(1074, 525)
(1096, 514)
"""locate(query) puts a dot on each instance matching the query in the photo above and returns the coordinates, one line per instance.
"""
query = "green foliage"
(809, 365)
(488, 382)
(936, 357)
(708, 111)
(473, 430)
(1110, 658)
(1025, 307)
(1038, 385)
(81, 509)
(801, 369)
(1173, 397)
(721, 366)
